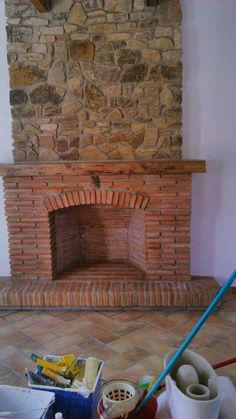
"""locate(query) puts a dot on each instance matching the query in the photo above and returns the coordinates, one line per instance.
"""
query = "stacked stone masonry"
(161, 202)
(95, 80)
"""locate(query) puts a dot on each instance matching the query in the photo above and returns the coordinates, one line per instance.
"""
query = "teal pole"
(186, 342)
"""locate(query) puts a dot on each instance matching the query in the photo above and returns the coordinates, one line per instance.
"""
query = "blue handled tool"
(186, 342)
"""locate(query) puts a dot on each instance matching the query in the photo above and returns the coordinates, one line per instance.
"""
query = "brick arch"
(96, 196)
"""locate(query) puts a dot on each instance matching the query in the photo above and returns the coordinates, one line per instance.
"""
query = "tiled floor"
(131, 343)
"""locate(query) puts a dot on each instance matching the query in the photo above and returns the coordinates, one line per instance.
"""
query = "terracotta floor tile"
(50, 322)
(133, 373)
(64, 341)
(10, 336)
(131, 340)
(123, 329)
(40, 334)
(97, 318)
(163, 321)
(157, 347)
(180, 317)
(19, 363)
(120, 362)
(32, 346)
(8, 352)
(110, 313)
(67, 316)
(153, 364)
(211, 356)
(128, 358)
(95, 348)
(127, 316)
(217, 320)
(228, 316)
(217, 332)
(109, 372)
(99, 333)
(121, 345)
(2, 322)
(196, 343)
(4, 313)
(17, 315)
(222, 347)
(71, 327)
(185, 328)
(229, 304)
(70, 349)
(12, 379)
(151, 330)
(22, 324)
(4, 369)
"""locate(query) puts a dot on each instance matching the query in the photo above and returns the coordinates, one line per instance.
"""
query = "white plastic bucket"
(183, 407)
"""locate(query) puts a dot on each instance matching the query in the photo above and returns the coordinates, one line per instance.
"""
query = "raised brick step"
(103, 294)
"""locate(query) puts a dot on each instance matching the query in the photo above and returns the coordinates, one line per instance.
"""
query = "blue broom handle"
(186, 342)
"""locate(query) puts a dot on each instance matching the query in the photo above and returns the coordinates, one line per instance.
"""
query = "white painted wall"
(209, 125)
(5, 138)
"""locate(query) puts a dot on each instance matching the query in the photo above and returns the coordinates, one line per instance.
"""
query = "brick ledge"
(103, 294)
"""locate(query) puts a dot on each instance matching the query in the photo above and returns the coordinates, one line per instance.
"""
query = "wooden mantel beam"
(42, 5)
(122, 167)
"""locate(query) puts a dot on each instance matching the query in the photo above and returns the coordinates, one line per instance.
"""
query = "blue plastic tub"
(70, 402)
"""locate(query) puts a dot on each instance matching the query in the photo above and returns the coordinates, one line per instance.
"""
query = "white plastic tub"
(24, 403)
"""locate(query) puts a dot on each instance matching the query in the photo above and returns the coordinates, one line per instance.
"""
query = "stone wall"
(95, 79)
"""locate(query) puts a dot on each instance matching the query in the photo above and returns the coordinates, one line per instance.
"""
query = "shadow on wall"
(4, 261)
(192, 111)
(203, 252)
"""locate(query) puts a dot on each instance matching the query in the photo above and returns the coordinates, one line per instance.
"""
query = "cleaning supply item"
(119, 398)
(37, 378)
(196, 402)
(145, 381)
(56, 377)
(90, 372)
(185, 376)
(149, 411)
(187, 340)
(72, 365)
(58, 415)
(152, 382)
(51, 366)
(77, 382)
(35, 357)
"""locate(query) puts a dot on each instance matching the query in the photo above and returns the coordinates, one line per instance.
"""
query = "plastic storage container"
(181, 405)
(24, 403)
(70, 402)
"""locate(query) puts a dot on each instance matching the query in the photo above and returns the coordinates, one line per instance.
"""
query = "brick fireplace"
(88, 229)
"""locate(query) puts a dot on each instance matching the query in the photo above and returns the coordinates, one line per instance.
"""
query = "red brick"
(87, 197)
(103, 196)
(76, 198)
